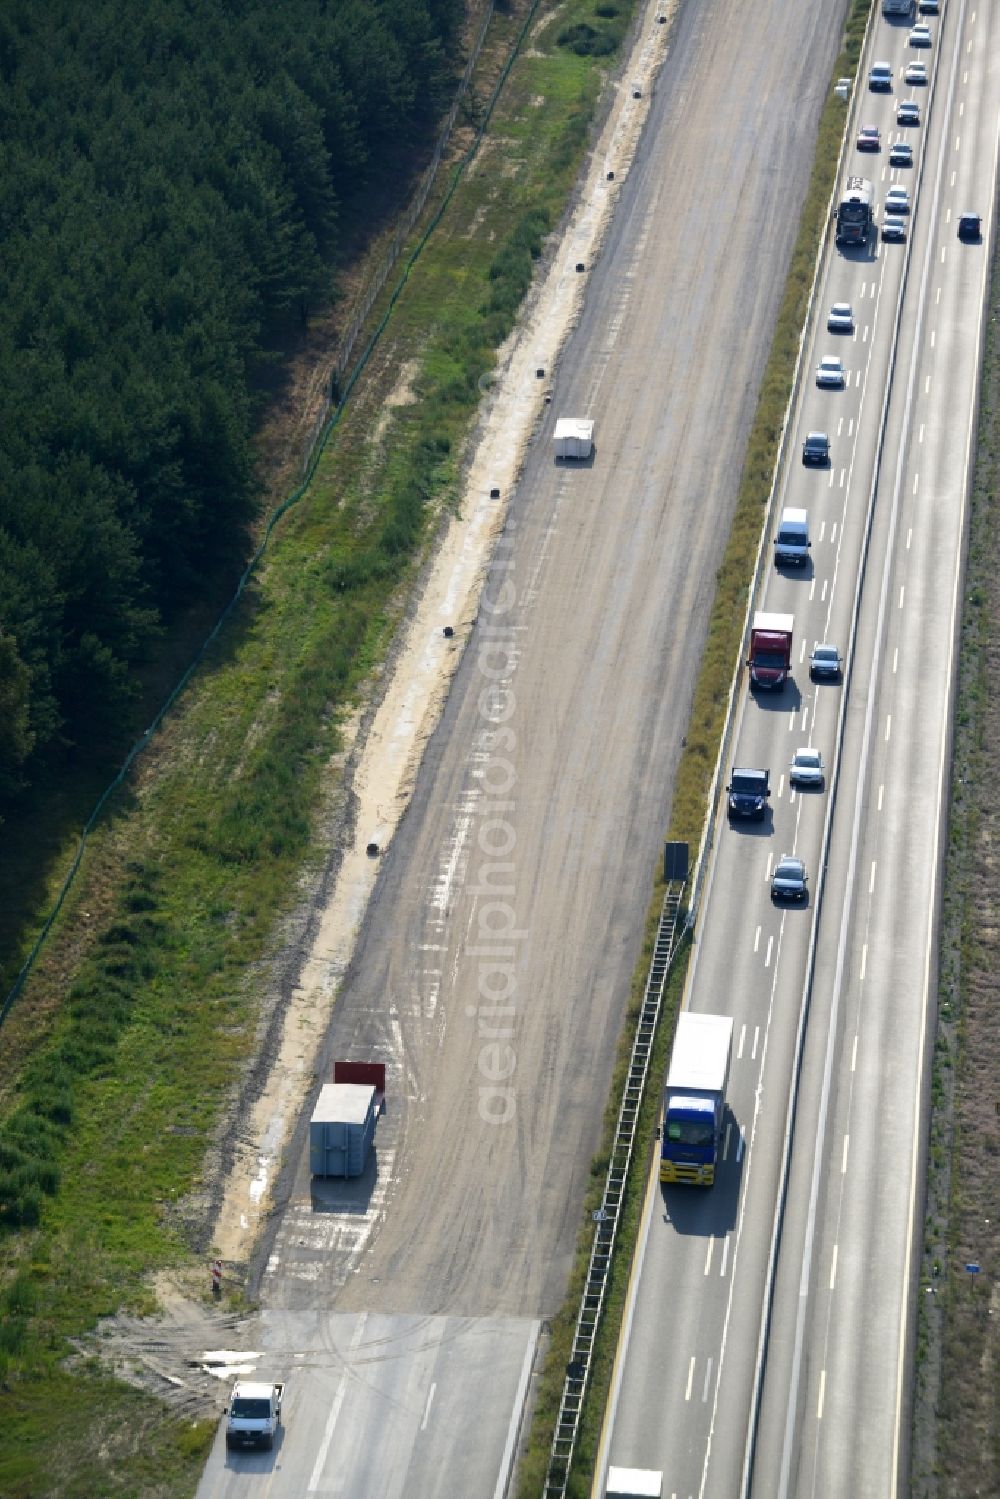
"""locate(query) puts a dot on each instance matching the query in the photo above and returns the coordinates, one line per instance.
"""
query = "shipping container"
(342, 1129)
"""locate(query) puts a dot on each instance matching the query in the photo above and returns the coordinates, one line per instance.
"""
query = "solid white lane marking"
(888, 726)
(871, 879)
(822, 1393)
(864, 965)
(767, 956)
(822, 596)
(909, 538)
(756, 945)
(812, 590)
(850, 427)
(833, 1268)
(427, 1408)
(687, 1392)
(933, 341)
(833, 533)
(920, 434)
(854, 1053)
(739, 1148)
(743, 1033)
(756, 1039)
(725, 1256)
(725, 1142)
(338, 1400)
(881, 790)
(708, 1256)
(708, 1381)
(503, 1480)
(895, 660)
(843, 1162)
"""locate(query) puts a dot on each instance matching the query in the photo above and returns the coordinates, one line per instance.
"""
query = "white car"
(916, 72)
(840, 318)
(920, 36)
(830, 371)
(807, 769)
(897, 200)
(893, 228)
(908, 112)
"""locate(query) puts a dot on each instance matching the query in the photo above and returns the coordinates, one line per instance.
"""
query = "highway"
(405, 1311)
(830, 1356)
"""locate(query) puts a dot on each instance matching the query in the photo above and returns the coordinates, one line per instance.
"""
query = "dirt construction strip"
(424, 667)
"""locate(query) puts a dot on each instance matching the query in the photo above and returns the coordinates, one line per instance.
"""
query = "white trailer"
(694, 1101)
(634, 1483)
(574, 437)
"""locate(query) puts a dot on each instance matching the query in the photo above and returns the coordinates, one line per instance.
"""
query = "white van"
(791, 543)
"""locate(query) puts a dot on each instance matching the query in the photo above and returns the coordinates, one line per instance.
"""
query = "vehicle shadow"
(703, 1212)
(801, 570)
(256, 1459)
(751, 827)
(863, 254)
(345, 1194)
(788, 700)
(577, 463)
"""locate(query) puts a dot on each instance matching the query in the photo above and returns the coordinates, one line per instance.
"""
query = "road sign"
(972, 1268)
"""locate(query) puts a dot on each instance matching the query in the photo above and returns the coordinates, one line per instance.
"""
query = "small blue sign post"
(972, 1269)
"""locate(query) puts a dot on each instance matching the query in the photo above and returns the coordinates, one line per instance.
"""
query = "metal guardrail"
(607, 1215)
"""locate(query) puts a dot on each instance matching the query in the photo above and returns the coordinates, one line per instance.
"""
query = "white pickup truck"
(253, 1414)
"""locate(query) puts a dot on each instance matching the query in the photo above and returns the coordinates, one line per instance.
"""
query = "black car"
(788, 881)
(970, 225)
(748, 793)
(816, 448)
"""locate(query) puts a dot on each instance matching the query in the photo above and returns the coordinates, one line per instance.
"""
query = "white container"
(574, 437)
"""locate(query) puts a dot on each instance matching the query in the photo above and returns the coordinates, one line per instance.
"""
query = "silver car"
(840, 318)
(807, 769)
(830, 371)
(826, 664)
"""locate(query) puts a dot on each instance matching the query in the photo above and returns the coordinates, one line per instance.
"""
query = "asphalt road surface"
(494, 963)
(833, 1417)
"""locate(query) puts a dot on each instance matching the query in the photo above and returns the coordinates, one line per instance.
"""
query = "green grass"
(143, 1008)
(132, 1449)
(956, 1410)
